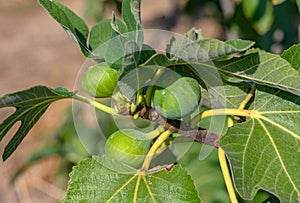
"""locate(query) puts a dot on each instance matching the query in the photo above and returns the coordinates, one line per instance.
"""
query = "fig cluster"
(175, 99)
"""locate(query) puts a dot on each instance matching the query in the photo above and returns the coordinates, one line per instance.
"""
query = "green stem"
(236, 112)
(137, 185)
(140, 97)
(96, 104)
(217, 112)
(247, 98)
(226, 175)
(153, 134)
(154, 148)
(139, 100)
(151, 86)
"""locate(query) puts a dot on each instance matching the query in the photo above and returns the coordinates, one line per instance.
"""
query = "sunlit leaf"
(264, 151)
(92, 182)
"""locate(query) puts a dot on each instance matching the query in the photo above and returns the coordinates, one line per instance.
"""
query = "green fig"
(128, 146)
(100, 80)
(179, 99)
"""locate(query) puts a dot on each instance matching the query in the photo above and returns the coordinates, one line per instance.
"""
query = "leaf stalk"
(248, 97)
(154, 148)
(218, 112)
(226, 175)
(151, 86)
(96, 104)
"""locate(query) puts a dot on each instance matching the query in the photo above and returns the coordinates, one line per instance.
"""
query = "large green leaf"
(92, 182)
(264, 151)
(292, 55)
(262, 68)
(30, 105)
(73, 24)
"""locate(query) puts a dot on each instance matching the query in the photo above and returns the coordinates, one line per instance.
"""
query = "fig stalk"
(160, 140)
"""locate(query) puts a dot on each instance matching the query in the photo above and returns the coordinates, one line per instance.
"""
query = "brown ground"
(35, 50)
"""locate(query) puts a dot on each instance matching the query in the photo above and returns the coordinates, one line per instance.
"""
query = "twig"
(199, 135)
(175, 126)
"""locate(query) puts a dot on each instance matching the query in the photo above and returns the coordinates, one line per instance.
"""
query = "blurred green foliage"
(273, 25)
(95, 9)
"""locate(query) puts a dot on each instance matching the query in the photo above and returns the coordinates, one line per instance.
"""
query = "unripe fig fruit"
(128, 146)
(100, 80)
(179, 99)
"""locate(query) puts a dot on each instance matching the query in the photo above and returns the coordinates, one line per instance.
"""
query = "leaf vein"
(278, 155)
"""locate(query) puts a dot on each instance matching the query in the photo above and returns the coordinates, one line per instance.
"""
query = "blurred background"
(36, 50)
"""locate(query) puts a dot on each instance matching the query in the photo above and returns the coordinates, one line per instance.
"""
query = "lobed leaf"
(90, 181)
(264, 151)
(30, 105)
